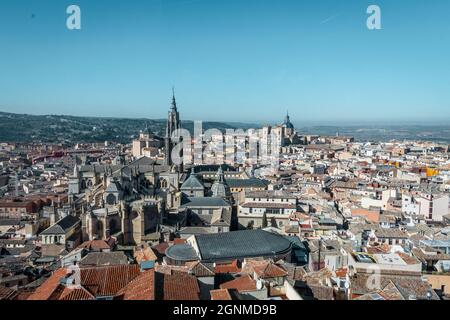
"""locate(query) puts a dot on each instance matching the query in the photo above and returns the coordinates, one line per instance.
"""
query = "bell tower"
(173, 124)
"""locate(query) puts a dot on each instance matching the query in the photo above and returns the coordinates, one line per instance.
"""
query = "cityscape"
(325, 218)
(130, 197)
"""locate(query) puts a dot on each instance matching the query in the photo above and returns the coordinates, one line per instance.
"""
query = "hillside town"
(335, 219)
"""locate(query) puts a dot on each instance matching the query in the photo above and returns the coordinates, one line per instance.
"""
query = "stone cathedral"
(127, 200)
(137, 199)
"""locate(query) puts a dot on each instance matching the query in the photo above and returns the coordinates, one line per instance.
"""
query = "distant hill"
(58, 128)
(399, 132)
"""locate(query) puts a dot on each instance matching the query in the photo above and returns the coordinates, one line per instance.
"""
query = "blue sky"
(233, 60)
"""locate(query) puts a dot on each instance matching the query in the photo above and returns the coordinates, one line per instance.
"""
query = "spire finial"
(220, 175)
(75, 170)
(286, 119)
(174, 103)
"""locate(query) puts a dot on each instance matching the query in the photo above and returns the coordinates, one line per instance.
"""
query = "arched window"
(110, 199)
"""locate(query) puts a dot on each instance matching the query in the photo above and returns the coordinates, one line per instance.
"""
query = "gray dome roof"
(182, 252)
(220, 188)
(192, 183)
(287, 122)
(241, 244)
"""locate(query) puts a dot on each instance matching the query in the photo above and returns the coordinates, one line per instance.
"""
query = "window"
(110, 199)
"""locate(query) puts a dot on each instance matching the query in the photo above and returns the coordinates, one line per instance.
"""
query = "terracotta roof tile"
(199, 269)
(383, 248)
(391, 292)
(227, 268)
(141, 288)
(161, 248)
(263, 268)
(220, 294)
(98, 281)
(177, 286)
(76, 294)
(179, 241)
(95, 245)
(321, 292)
(270, 271)
(372, 216)
(169, 269)
(144, 254)
(406, 285)
(44, 291)
(407, 258)
(242, 284)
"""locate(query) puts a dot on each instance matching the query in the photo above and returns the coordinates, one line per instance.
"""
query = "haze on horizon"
(235, 60)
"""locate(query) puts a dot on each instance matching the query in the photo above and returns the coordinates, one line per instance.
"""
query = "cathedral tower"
(173, 124)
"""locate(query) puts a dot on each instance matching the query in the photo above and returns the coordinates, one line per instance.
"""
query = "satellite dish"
(259, 284)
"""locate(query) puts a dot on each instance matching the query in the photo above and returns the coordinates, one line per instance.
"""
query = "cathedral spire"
(174, 103)
(173, 124)
(75, 171)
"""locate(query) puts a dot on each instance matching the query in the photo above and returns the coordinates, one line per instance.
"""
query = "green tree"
(273, 222)
(264, 221)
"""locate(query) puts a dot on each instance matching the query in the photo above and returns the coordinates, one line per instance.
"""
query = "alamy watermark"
(231, 146)
(374, 20)
(374, 280)
(73, 21)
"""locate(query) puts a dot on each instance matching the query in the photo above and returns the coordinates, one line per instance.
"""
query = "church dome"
(220, 188)
(192, 183)
(287, 122)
